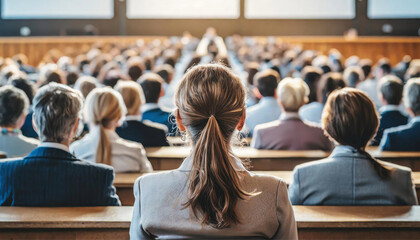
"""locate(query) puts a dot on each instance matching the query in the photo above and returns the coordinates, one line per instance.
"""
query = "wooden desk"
(65, 223)
(166, 158)
(313, 222)
(124, 183)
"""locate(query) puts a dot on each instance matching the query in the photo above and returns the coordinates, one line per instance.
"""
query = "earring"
(184, 135)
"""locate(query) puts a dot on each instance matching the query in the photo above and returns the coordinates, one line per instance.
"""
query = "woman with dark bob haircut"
(350, 176)
(211, 195)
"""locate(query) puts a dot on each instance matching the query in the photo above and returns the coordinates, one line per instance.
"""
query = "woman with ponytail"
(104, 109)
(211, 195)
(350, 175)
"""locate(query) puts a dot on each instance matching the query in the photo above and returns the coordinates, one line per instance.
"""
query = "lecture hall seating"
(124, 183)
(313, 222)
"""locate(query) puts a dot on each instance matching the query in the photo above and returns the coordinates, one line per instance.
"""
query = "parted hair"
(327, 84)
(266, 82)
(391, 88)
(412, 95)
(103, 106)
(13, 103)
(292, 93)
(56, 108)
(132, 94)
(152, 86)
(350, 118)
(210, 101)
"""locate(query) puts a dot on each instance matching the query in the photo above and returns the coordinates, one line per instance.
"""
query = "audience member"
(329, 82)
(14, 106)
(50, 175)
(211, 194)
(85, 85)
(290, 132)
(153, 91)
(350, 176)
(353, 75)
(406, 137)
(370, 86)
(104, 109)
(311, 76)
(149, 134)
(390, 95)
(267, 109)
(28, 87)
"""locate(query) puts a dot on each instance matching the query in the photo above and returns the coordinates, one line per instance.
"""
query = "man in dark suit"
(50, 175)
(390, 95)
(152, 87)
(406, 137)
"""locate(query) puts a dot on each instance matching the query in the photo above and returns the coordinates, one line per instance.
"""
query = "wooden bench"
(166, 158)
(124, 183)
(313, 222)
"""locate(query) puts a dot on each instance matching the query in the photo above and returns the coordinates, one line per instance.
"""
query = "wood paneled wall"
(35, 48)
(365, 47)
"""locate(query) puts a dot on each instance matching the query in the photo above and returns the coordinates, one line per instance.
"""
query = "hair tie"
(212, 116)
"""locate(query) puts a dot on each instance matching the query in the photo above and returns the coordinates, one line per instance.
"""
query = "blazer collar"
(50, 152)
(344, 150)
(289, 116)
(187, 164)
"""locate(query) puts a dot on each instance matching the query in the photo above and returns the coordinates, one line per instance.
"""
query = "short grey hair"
(412, 95)
(56, 109)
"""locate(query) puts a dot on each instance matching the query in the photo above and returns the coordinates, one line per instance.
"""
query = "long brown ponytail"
(210, 101)
(103, 106)
(350, 118)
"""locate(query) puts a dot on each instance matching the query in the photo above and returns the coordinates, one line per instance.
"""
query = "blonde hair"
(132, 94)
(211, 101)
(292, 93)
(103, 106)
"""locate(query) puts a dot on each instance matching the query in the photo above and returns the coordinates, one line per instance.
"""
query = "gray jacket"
(159, 212)
(348, 177)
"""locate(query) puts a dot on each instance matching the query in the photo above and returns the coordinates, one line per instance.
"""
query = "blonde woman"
(290, 132)
(148, 133)
(211, 195)
(104, 109)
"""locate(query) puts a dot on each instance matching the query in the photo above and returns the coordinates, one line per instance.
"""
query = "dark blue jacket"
(27, 128)
(402, 138)
(53, 177)
(389, 119)
(159, 116)
(139, 132)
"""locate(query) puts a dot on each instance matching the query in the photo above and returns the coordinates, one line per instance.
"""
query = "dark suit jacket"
(142, 133)
(27, 128)
(53, 177)
(402, 138)
(389, 119)
(159, 116)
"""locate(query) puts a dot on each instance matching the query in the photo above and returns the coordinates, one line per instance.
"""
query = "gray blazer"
(159, 213)
(347, 177)
(290, 134)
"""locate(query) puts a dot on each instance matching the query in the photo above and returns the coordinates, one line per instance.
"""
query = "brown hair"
(350, 118)
(132, 94)
(210, 101)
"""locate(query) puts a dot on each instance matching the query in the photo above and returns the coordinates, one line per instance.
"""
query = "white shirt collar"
(188, 161)
(133, 118)
(390, 107)
(415, 119)
(149, 106)
(289, 115)
(54, 145)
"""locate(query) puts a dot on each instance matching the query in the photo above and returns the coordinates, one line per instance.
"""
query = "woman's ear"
(241, 122)
(179, 121)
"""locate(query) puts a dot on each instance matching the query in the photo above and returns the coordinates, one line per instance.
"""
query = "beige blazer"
(158, 211)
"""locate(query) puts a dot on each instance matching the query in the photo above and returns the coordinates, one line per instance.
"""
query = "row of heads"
(210, 91)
